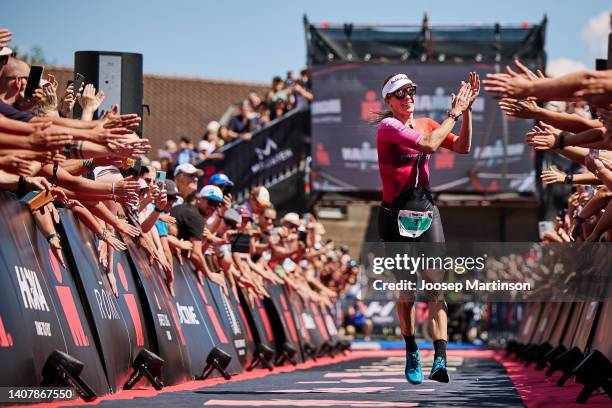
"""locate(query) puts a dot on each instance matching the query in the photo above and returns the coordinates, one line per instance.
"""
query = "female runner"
(408, 212)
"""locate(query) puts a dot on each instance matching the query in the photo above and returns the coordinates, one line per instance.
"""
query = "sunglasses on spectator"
(402, 93)
(269, 219)
(213, 203)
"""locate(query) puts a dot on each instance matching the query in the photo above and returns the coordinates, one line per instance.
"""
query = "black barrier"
(240, 315)
(271, 152)
(304, 315)
(71, 314)
(40, 306)
(286, 338)
(198, 317)
(601, 338)
(583, 331)
(120, 323)
(167, 329)
(260, 328)
(233, 326)
(572, 326)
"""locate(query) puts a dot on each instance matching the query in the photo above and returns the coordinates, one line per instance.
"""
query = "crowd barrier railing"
(571, 339)
(64, 326)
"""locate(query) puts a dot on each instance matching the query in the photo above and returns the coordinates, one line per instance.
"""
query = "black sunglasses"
(402, 93)
(4, 59)
(213, 203)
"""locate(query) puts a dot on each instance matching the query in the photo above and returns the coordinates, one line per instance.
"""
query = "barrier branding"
(187, 314)
(108, 309)
(30, 289)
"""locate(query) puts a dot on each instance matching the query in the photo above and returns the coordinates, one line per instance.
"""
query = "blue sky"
(254, 40)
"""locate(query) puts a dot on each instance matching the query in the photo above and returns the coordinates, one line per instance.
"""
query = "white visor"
(396, 83)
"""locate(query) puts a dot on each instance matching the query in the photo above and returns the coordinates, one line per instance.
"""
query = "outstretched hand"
(461, 101)
(474, 81)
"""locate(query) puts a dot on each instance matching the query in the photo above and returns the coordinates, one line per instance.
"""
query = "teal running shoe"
(413, 372)
(438, 371)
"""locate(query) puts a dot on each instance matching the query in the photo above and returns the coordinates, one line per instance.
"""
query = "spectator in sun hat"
(257, 202)
(222, 181)
(186, 179)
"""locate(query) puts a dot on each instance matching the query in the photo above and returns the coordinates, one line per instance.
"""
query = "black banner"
(344, 143)
(40, 306)
(167, 329)
(277, 306)
(117, 320)
(271, 151)
(233, 326)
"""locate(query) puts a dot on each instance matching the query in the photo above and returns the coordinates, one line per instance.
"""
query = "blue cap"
(220, 179)
(211, 192)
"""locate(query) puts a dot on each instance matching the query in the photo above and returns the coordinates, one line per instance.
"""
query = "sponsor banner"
(271, 151)
(40, 306)
(198, 317)
(243, 320)
(344, 142)
(303, 313)
(233, 326)
(118, 321)
(257, 318)
(167, 329)
(277, 308)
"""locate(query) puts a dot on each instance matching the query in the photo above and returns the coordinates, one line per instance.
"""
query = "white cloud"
(562, 66)
(595, 34)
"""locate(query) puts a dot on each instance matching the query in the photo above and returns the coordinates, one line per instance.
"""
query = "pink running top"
(401, 164)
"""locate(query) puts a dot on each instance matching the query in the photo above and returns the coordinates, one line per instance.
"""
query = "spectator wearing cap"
(186, 179)
(225, 184)
(257, 202)
(191, 220)
(222, 181)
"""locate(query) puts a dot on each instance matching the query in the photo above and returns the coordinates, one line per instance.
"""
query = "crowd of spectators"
(250, 115)
(95, 169)
(574, 121)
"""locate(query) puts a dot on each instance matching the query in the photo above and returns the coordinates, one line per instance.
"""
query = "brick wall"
(180, 106)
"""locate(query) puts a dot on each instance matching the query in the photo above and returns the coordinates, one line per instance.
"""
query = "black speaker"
(118, 74)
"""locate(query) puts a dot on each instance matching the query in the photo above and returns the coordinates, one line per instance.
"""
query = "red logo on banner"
(68, 305)
(130, 301)
(322, 155)
(478, 186)
(444, 159)
(6, 340)
(288, 318)
(319, 321)
(264, 318)
(370, 105)
(213, 316)
(122, 276)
